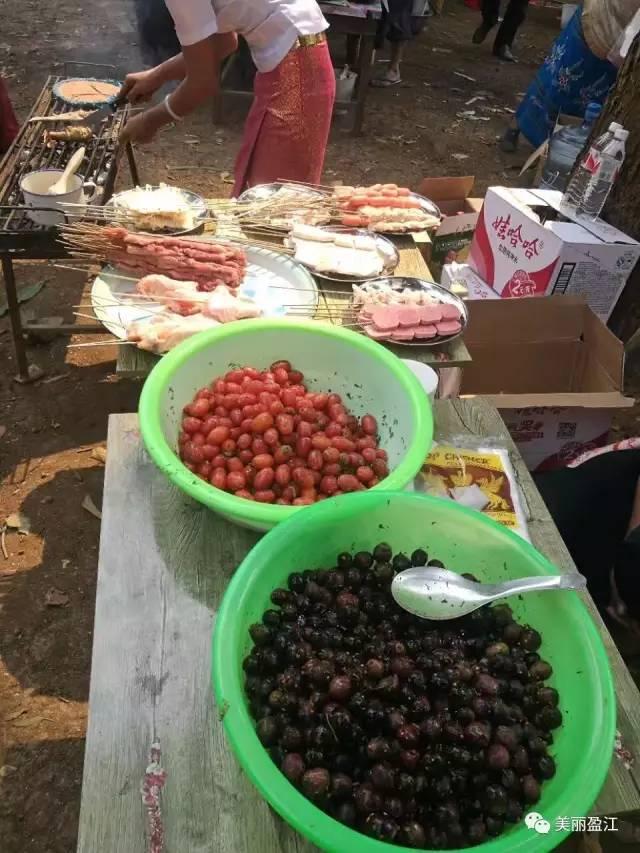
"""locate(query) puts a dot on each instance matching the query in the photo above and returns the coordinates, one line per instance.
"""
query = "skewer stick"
(107, 343)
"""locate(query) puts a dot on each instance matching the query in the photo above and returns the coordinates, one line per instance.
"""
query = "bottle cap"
(614, 126)
(621, 134)
(593, 110)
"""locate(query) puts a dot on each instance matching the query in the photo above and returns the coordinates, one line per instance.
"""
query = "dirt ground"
(49, 430)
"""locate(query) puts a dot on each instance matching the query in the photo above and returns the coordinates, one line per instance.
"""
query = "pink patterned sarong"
(287, 128)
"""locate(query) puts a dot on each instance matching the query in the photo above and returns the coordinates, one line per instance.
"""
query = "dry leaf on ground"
(18, 521)
(100, 454)
(89, 505)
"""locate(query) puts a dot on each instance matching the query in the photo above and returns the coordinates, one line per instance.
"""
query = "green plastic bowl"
(369, 377)
(465, 541)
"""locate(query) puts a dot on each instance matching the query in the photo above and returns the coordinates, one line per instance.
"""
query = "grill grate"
(29, 153)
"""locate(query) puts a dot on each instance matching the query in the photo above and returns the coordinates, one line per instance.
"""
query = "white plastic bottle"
(604, 174)
(579, 185)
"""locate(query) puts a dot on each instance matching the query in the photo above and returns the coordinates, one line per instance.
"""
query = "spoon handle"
(568, 580)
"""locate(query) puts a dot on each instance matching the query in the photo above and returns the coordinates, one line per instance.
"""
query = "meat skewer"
(79, 133)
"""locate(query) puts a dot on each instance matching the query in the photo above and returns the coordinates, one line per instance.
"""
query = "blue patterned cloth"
(570, 78)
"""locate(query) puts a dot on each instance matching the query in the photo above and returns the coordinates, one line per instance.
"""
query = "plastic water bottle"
(564, 148)
(592, 181)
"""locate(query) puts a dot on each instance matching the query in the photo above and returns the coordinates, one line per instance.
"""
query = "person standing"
(513, 19)
(287, 130)
(396, 27)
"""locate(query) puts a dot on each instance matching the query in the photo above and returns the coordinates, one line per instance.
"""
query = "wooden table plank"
(164, 565)
(133, 362)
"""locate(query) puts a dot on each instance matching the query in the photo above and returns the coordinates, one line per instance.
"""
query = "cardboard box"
(463, 274)
(452, 240)
(520, 249)
(552, 369)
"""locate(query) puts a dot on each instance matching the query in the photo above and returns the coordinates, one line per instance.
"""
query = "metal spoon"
(434, 593)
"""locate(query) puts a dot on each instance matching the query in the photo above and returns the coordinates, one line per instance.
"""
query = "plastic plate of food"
(273, 285)
(342, 254)
(158, 209)
(409, 311)
(86, 91)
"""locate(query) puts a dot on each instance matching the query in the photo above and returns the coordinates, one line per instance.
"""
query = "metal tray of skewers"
(382, 208)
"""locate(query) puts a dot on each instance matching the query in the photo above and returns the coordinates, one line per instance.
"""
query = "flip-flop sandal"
(385, 82)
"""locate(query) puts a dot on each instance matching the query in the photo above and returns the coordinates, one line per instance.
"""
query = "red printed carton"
(521, 249)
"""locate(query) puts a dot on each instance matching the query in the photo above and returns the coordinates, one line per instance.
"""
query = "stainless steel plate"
(389, 252)
(195, 202)
(437, 293)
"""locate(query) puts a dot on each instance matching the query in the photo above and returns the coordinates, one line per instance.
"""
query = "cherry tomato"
(331, 455)
(368, 454)
(369, 425)
(320, 442)
(381, 454)
(283, 454)
(303, 446)
(263, 460)
(333, 430)
(262, 422)
(295, 377)
(315, 460)
(218, 435)
(289, 397)
(191, 425)
(236, 480)
(271, 437)
(266, 496)
(228, 447)
(218, 478)
(304, 429)
(259, 445)
(348, 483)
(283, 475)
(243, 442)
(276, 408)
(200, 407)
(282, 364)
(333, 469)
(245, 456)
(320, 401)
(328, 484)
(263, 479)
(243, 493)
(281, 376)
(219, 386)
(303, 477)
(235, 464)
(209, 451)
(342, 443)
(284, 424)
(380, 468)
(197, 439)
(204, 470)
(365, 474)
(302, 501)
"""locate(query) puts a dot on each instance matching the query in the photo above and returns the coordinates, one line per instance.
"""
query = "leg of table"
(133, 166)
(367, 49)
(14, 316)
(353, 49)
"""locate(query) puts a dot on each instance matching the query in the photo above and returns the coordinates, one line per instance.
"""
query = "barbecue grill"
(22, 239)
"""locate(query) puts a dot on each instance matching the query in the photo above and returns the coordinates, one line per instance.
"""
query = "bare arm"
(198, 66)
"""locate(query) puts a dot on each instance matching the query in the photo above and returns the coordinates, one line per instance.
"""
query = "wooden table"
(164, 565)
(133, 362)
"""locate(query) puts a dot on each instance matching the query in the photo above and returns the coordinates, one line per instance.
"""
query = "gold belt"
(309, 41)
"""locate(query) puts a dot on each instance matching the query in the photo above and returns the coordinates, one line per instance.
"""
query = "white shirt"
(270, 27)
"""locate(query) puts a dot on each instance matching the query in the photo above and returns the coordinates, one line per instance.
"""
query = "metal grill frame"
(20, 238)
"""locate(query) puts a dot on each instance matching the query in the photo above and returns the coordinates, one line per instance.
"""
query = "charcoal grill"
(22, 239)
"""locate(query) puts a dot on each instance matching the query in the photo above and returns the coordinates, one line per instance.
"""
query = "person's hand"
(143, 127)
(140, 86)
